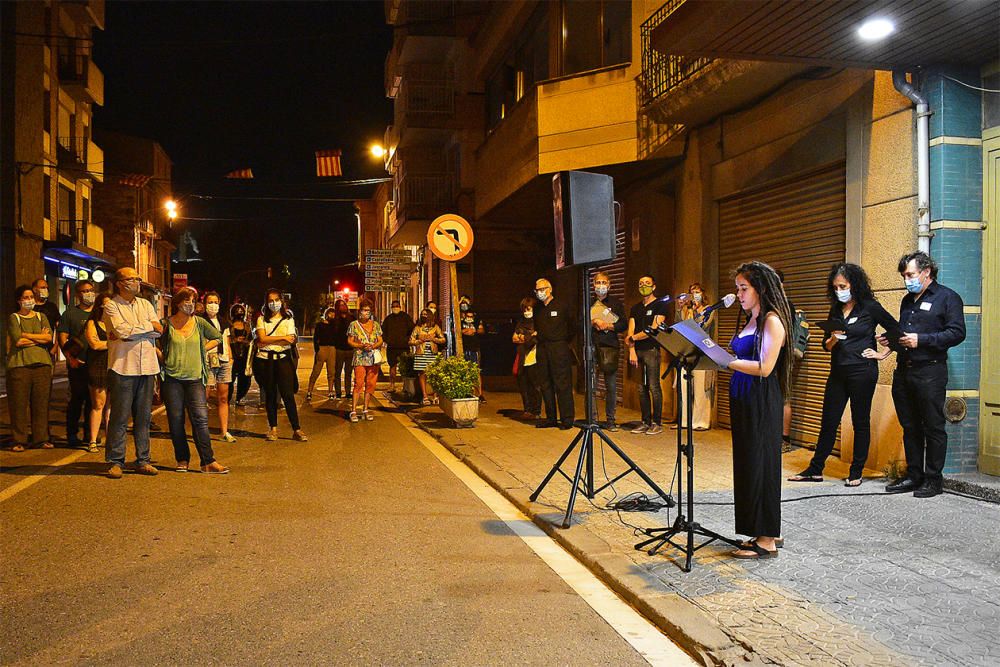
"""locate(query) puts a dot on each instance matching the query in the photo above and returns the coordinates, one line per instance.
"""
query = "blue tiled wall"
(956, 109)
(964, 359)
(959, 254)
(956, 173)
(963, 441)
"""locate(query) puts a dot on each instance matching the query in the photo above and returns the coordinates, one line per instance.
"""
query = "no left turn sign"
(450, 237)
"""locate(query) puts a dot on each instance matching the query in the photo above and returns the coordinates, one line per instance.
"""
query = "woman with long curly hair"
(853, 367)
(762, 377)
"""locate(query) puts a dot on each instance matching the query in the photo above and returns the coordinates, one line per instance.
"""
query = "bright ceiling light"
(873, 30)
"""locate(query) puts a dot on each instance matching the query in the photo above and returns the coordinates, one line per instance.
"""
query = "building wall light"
(874, 30)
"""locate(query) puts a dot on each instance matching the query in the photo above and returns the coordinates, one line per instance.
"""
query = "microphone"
(724, 302)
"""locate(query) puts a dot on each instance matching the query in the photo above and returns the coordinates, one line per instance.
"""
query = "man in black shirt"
(74, 346)
(932, 319)
(607, 316)
(51, 311)
(396, 329)
(645, 354)
(554, 324)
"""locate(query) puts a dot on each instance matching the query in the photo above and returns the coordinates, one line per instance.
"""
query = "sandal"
(369, 416)
(17, 448)
(182, 466)
(353, 417)
(754, 552)
(779, 542)
(804, 476)
(853, 482)
(46, 445)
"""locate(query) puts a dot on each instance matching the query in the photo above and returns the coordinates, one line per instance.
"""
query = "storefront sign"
(70, 272)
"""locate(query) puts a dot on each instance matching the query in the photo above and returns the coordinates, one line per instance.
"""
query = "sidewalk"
(865, 579)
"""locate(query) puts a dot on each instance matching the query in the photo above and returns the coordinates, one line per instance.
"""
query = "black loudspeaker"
(583, 208)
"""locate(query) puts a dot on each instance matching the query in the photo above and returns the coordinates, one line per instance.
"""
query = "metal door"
(989, 383)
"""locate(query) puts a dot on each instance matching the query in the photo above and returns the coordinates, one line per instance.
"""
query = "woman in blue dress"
(756, 396)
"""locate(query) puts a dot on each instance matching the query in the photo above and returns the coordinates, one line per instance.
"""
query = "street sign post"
(389, 269)
(450, 238)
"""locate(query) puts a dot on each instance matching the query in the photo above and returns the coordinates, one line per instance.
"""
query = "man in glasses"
(133, 328)
(74, 346)
(555, 325)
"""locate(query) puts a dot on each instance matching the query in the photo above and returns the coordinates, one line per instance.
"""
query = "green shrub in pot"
(453, 378)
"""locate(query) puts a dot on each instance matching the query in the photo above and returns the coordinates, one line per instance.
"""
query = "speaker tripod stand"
(583, 479)
(692, 349)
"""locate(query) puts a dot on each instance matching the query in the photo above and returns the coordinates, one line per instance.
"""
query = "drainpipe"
(923, 151)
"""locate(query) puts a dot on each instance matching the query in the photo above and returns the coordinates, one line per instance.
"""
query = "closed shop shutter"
(798, 226)
(616, 271)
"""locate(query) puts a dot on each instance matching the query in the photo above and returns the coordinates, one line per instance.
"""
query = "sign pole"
(456, 313)
(450, 238)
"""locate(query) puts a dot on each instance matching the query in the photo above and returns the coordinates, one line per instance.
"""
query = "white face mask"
(27, 304)
(541, 294)
(529, 313)
(275, 306)
(88, 298)
(843, 295)
(364, 315)
(601, 291)
(187, 308)
(432, 309)
(212, 309)
(43, 293)
(696, 297)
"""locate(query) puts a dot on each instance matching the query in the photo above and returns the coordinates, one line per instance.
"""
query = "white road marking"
(642, 635)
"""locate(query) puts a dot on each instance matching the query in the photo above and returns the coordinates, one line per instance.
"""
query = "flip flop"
(779, 542)
(754, 552)
(17, 448)
(853, 482)
(803, 477)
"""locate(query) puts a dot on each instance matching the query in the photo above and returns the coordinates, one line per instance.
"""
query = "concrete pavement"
(865, 579)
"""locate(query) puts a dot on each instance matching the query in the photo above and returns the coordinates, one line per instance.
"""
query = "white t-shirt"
(223, 349)
(284, 328)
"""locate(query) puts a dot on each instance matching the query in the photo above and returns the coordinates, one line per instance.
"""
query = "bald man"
(555, 326)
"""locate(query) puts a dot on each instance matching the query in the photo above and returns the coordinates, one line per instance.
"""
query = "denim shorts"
(221, 375)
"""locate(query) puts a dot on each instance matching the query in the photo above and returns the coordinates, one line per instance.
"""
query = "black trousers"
(918, 393)
(276, 378)
(854, 383)
(555, 362)
(527, 383)
(240, 378)
(79, 403)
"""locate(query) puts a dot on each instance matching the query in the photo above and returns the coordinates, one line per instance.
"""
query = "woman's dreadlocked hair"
(772, 297)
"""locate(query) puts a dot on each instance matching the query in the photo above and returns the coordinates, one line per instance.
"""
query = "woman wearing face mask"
(365, 336)
(853, 368)
(472, 331)
(344, 361)
(29, 372)
(324, 353)
(274, 366)
(96, 333)
(692, 306)
(184, 348)
(220, 362)
(425, 341)
(240, 338)
(526, 363)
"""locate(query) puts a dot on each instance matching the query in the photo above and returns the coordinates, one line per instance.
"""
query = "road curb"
(684, 622)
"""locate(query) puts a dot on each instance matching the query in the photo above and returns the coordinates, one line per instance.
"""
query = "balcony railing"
(424, 195)
(74, 230)
(421, 95)
(71, 151)
(80, 76)
(660, 72)
(404, 13)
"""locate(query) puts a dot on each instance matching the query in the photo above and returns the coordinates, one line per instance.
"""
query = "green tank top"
(184, 359)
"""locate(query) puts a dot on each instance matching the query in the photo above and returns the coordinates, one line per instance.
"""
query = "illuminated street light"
(873, 30)
(377, 151)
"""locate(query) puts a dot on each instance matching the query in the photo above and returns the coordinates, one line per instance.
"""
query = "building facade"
(51, 162)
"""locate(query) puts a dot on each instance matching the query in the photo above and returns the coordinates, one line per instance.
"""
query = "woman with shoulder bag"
(365, 336)
(425, 341)
(274, 364)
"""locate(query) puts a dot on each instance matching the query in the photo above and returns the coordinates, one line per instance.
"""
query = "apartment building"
(50, 160)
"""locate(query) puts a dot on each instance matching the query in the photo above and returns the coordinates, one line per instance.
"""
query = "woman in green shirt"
(29, 372)
(184, 347)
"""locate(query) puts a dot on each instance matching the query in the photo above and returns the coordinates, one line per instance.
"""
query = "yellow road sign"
(450, 237)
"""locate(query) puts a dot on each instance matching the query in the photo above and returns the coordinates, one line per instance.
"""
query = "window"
(595, 33)
(47, 113)
(47, 197)
(526, 64)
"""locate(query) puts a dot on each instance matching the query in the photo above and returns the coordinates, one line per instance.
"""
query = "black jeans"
(918, 392)
(527, 383)
(240, 379)
(650, 392)
(555, 372)
(606, 363)
(79, 402)
(276, 378)
(854, 383)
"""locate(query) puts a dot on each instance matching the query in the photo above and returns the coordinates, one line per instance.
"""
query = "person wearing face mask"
(344, 362)
(853, 367)
(274, 366)
(74, 346)
(40, 288)
(932, 320)
(220, 362)
(607, 316)
(324, 353)
(433, 307)
(526, 362)
(426, 340)
(185, 346)
(365, 336)
(240, 338)
(555, 325)
(96, 333)
(396, 328)
(133, 327)
(692, 306)
(472, 331)
(29, 372)
(644, 354)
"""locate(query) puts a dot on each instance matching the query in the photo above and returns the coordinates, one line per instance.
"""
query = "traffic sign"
(450, 237)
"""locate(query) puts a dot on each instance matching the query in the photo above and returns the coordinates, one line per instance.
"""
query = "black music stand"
(693, 349)
(590, 428)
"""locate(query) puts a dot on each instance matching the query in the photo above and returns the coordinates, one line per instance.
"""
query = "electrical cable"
(969, 85)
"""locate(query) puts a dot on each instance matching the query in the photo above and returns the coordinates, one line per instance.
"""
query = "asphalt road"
(358, 547)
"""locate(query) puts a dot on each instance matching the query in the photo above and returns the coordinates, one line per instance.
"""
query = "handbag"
(377, 357)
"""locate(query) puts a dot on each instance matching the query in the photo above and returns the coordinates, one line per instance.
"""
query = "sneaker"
(610, 425)
(353, 417)
(309, 395)
(182, 466)
(228, 437)
(146, 469)
(654, 429)
(92, 448)
(300, 436)
(272, 435)
(641, 428)
(114, 472)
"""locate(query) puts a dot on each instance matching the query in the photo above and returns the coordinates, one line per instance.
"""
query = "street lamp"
(377, 151)
(171, 207)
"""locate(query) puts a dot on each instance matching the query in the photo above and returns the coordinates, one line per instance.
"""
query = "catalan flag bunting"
(241, 173)
(328, 163)
(134, 180)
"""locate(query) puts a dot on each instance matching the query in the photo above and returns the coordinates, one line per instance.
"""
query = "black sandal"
(755, 552)
(779, 542)
(804, 476)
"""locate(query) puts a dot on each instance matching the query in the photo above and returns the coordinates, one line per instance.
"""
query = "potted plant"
(405, 367)
(453, 380)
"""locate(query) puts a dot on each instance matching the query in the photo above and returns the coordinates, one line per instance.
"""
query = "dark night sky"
(226, 85)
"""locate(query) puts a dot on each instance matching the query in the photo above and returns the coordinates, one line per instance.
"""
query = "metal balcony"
(660, 72)
(85, 11)
(71, 152)
(80, 77)
(420, 15)
(420, 94)
(72, 230)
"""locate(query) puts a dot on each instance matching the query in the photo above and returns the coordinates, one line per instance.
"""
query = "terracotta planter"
(463, 411)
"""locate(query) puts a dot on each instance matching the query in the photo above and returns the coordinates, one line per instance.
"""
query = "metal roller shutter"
(798, 226)
(616, 271)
